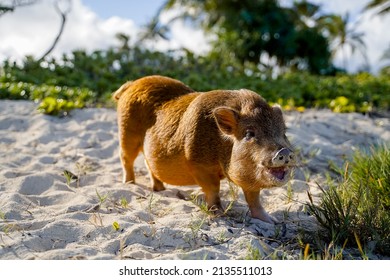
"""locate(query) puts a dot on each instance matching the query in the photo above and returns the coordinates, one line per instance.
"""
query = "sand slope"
(44, 217)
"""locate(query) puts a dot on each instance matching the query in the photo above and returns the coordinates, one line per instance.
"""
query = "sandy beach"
(90, 214)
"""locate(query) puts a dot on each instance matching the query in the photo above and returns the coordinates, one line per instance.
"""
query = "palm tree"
(306, 13)
(342, 35)
(382, 6)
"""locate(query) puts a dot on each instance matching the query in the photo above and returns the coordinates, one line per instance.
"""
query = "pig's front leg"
(257, 211)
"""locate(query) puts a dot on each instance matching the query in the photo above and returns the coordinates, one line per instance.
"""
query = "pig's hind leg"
(155, 183)
(130, 142)
(128, 154)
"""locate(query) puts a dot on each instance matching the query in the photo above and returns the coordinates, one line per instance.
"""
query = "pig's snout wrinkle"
(283, 157)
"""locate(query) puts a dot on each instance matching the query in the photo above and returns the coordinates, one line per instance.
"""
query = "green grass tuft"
(357, 210)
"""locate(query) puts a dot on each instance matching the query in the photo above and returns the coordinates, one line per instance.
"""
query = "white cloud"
(341, 7)
(181, 35)
(377, 38)
(31, 30)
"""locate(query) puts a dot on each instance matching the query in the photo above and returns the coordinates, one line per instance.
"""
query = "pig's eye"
(249, 134)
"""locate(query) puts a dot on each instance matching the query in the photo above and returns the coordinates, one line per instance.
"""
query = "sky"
(92, 24)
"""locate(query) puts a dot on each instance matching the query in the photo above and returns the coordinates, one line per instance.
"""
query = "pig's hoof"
(128, 181)
(158, 187)
(217, 212)
(265, 217)
(271, 220)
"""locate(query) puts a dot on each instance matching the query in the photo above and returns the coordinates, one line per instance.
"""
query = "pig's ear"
(278, 111)
(227, 119)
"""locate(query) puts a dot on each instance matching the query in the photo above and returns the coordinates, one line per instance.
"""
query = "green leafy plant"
(54, 106)
(54, 100)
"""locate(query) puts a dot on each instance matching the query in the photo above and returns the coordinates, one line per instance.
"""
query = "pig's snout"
(283, 157)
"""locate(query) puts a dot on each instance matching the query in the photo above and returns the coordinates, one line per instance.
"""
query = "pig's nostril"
(282, 157)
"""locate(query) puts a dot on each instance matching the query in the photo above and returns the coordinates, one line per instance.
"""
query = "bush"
(357, 211)
(92, 77)
(54, 100)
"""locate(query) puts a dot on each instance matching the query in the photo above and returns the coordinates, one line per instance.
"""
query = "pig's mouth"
(279, 173)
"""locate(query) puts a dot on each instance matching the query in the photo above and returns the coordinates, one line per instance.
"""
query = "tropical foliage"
(83, 79)
(382, 7)
(258, 32)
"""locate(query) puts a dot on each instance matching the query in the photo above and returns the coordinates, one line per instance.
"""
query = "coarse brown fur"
(192, 138)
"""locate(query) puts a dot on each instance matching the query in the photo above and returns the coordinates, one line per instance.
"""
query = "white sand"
(41, 217)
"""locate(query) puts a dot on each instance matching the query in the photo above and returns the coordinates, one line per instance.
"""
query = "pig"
(200, 138)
